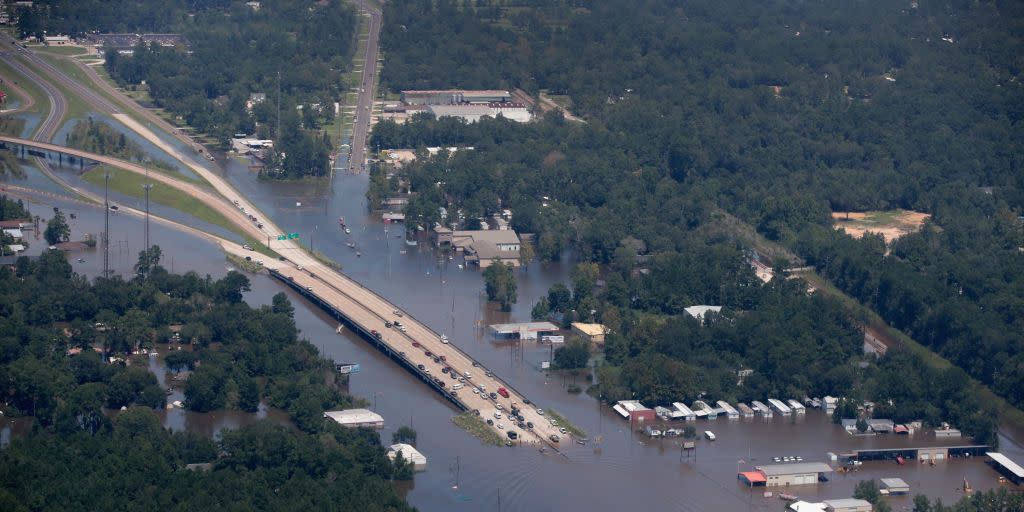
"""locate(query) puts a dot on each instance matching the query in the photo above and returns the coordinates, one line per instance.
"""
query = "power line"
(106, 225)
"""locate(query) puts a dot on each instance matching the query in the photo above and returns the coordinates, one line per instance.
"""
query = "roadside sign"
(292, 235)
(347, 368)
(282, 237)
(552, 339)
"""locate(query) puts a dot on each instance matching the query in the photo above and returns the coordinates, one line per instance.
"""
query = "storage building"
(780, 407)
(730, 411)
(633, 410)
(797, 407)
(762, 409)
(895, 486)
(848, 505)
(745, 410)
(682, 412)
(1010, 469)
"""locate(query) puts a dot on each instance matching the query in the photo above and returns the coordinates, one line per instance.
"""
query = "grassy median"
(476, 426)
(564, 423)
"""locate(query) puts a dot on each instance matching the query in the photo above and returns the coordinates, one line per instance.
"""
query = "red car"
(417, 345)
(503, 392)
(375, 334)
(428, 354)
(443, 358)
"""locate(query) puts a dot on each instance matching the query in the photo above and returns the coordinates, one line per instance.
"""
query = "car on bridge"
(373, 332)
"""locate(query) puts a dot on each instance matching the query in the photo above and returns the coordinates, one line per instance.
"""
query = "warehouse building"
(782, 475)
(895, 486)
(454, 96)
(468, 113)
(354, 418)
(1010, 469)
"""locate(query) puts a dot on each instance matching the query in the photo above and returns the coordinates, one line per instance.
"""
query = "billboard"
(347, 368)
(552, 339)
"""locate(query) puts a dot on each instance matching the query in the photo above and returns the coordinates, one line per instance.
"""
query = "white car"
(540, 411)
(497, 415)
(299, 267)
(499, 407)
(476, 391)
(444, 339)
(501, 426)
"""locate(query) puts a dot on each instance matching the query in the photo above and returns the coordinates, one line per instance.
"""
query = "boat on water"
(359, 254)
(351, 245)
(347, 230)
(710, 435)
(787, 497)
(341, 221)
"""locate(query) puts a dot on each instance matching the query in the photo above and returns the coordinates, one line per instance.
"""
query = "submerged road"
(364, 103)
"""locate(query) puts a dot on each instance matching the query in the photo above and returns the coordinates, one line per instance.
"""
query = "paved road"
(364, 103)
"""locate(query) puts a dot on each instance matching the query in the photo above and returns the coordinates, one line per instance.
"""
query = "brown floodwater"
(623, 471)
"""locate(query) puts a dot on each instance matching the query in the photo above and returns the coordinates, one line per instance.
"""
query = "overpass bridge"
(417, 348)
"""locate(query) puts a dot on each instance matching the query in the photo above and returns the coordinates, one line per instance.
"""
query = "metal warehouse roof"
(795, 469)
(1005, 461)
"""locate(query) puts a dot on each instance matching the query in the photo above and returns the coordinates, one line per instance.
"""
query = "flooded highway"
(616, 470)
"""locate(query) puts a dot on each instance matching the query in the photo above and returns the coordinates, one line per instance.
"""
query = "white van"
(457, 386)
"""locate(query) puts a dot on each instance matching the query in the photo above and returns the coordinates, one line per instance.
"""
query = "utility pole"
(106, 225)
(147, 187)
(277, 143)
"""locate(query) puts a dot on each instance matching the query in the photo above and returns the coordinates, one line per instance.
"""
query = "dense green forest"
(777, 113)
(83, 454)
(234, 51)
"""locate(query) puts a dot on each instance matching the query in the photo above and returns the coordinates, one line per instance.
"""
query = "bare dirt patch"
(891, 224)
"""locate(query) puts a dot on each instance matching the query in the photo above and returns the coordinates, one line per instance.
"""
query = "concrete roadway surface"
(364, 102)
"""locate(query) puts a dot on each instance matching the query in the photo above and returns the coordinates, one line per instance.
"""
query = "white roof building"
(14, 232)
(356, 418)
(410, 454)
(470, 113)
(698, 312)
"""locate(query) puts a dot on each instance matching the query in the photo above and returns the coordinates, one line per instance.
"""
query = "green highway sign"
(282, 237)
(293, 235)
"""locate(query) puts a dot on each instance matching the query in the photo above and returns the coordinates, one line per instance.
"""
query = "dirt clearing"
(891, 224)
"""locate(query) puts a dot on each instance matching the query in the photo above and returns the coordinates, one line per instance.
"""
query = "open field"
(891, 224)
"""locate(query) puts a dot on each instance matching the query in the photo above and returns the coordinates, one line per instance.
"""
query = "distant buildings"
(59, 40)
(633, 410)
(354, 418)
(472, 112)
(523, 331)
(469, 105)
(847, 505)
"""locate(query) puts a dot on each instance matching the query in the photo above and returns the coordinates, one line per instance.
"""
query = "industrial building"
(467, 112)
(1008, 468)
(410, 454)
(594, 333)
(781, 475)
(633, 410)
(354, 418)
(454, 97)
(523, 331)
(512, 111)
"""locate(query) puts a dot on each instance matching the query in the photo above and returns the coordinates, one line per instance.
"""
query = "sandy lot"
(890, 224)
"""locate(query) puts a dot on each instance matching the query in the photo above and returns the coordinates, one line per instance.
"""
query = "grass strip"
(566, 424)
(474, 425)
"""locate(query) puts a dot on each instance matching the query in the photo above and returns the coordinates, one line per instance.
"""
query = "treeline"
(234, 51)
(101, 138)
(779, 114)
(82, 456)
